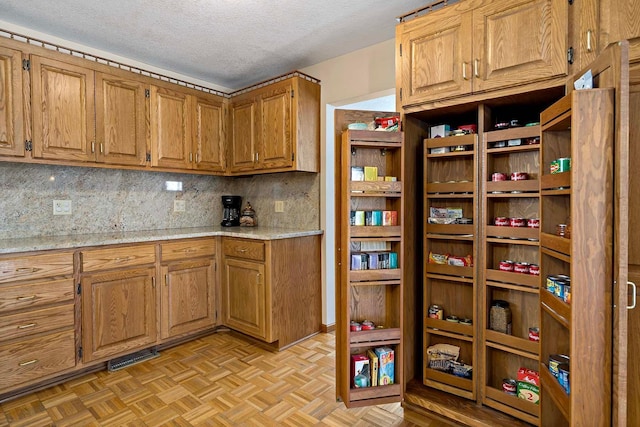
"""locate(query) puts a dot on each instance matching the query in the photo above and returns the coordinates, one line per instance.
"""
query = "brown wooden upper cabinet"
(187, 131)
(83, 115)
(471, 47)
(276, 128)
(11, 107)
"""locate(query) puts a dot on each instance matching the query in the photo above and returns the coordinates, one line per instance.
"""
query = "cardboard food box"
(386, 365)
(528, 387)
(360, 374)
(373, 363)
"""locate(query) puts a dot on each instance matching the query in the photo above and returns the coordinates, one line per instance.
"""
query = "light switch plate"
(62, 207)
(279, 206)
(179, 205)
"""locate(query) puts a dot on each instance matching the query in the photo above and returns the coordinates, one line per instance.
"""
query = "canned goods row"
(560, 286)
(514, 176)
(437, 312)
(559, 367)
(503, 221)
(560, 165)
(365, 325)
(519, 267)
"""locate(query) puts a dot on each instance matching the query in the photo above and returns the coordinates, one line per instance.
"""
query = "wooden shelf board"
(368, 393)
(450, 229)
(460, 331)
(451, 141)
(387, 335)
(518, 406)
(521, 235)
(557, 308)
(446, 188)
(373, 401)
(563, 192)
(526, 188)
(552, 388)
(375, 275)
(452, 154)
(556, 181)
(456, 196)
(513, 133)
(449, 379)
(377, 283)
(511, 344)
(558, 255)
(376, 194)
(519, 280)
(375, 231)
(556, 243)
(507, 241)
(450, 270)
(467, 237)
(465, 280)
(513, 287)
(381, 188)
(377, 239)
(513, 149)
(558, 116)
(442, 333)
(375, 139)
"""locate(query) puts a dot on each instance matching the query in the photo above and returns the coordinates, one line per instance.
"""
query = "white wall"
(358, 76)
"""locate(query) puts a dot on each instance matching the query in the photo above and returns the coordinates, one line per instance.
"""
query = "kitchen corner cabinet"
(187, 131)
(118, 292)
(37, 318)
(276, 128)
(576, 317)
(188, 287)
(11, 103)
(469, 47)
(369, 284)
(270, 289)
(82, 115)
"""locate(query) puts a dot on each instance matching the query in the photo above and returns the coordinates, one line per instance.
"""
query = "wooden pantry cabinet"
(11, 103)
(119, 308)
(477, 46)
(37, 318)
(188, 300)
(271, 288)
(82, 115)
(276, 127)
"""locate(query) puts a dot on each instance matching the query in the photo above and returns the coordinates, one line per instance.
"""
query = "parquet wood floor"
(217, 380)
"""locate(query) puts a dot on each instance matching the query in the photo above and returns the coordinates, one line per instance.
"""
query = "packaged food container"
(519, 176)
(509, 386)
(521, 267)
(517, 222)
(436, 312)
(501, 221)
(500, 317)
(555, 360)
(534, 334)
(506, 265)
(533, 223)
(534, 269)
(498, 176)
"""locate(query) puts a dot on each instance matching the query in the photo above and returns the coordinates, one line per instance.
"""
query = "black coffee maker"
(231, 211)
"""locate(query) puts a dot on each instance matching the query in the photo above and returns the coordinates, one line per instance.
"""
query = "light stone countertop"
(73, 241)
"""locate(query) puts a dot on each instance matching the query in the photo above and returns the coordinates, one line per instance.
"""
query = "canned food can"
(533, 223)
(563, 376)
(555, 360)
(355, 327)
(551, 283)
(498, 176)
(534, 269)
(521, 267)
(466, 321)
(509, 386)
(368, 325)
(452, 319)
(559, 289)
(560, 165)
(534, 334)
(519, 176)
(436, 312)
(501, 221)
(517, 222)
(566, 297)
(506, 265)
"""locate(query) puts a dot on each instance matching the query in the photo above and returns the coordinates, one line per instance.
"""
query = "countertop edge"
(45, 243)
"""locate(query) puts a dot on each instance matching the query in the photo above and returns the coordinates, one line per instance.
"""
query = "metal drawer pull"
(589, 48)
(30, 325)
(475, 68)
(464, 71)
(120, 259)
(30, 362)
(241, 250)
(29, 298)
(26, 270)
(633, 299)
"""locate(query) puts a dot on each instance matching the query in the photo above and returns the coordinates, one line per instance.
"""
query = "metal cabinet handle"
(475, 68)
(153, 282)
(258, 279)
(93, 146)
(633, 299)
(589, 47)
(191, 157)
(241, 250)
(27, 298)
(30, 325)
(101, 148)
(25, 270)
(29, 362)
(464, 71)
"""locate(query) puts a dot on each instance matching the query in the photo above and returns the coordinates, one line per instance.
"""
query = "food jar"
(500, 316)
(436, 312)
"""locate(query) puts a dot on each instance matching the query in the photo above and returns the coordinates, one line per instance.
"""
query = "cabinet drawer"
(34, 295)
(109, 258)
(35, 321)
(246, 249)
(35, 358)
(187, 249)
(29, 267)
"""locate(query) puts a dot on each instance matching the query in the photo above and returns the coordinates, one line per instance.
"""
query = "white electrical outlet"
(279, 206)
(179, 205)
(62, 207)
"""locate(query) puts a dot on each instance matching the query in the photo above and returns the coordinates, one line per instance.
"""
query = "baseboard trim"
(328, 328)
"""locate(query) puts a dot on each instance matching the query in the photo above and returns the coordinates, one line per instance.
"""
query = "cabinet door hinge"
(570, 2)
(79, 289)
(400, 94)
(293, 157)
(293, 93)
(400, 49)
(26, 64)
(28, 146)
(570, 55)
(147, 93)
(80, 352)
(148, 157)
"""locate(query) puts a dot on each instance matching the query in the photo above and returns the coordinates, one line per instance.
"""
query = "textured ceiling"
(229, 43)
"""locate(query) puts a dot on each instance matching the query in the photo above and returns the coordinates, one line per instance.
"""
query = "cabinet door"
(170, 130)
(209, 132)
(436, 56)
(120, 120)
(118, 312)
(243, 140)
(275, 140)
(518, 42)
(62, 102)
(11, 109)
(187, 297)
(621, 22)
(244, 296)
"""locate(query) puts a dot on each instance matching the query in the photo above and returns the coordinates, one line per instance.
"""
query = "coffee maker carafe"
(231, 211)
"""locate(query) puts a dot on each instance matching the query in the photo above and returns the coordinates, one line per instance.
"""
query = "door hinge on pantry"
(26, 64)
(80, 352)
(28, 146)
(79, 289)
(147, 94)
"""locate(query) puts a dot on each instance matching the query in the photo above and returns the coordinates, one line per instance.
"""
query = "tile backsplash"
(105, 200)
